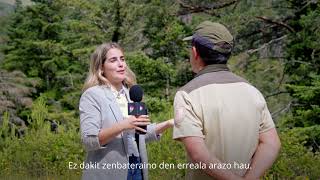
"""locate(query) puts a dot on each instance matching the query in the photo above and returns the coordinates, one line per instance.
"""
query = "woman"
(107, 132)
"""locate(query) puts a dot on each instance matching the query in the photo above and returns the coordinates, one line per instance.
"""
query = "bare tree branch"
(282, 76)
(100, 26)
(235, 6)
(286, 108)
(251, 51)
(276, 93)
(307, 4)
(270, 21)
(315, 143)
(189, 9)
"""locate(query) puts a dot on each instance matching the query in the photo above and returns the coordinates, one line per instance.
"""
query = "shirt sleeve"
(186, 121)
(151, 134)
(266, 122)
(90, 121)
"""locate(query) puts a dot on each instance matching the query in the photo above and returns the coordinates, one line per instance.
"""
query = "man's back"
(220, 118)
(227, 112)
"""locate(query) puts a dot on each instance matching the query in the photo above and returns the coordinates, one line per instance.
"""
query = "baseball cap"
(214, 36)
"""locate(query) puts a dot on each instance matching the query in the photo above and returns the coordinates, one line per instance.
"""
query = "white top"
(122, 101)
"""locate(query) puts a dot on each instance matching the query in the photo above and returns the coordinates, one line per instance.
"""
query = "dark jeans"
(134, 173)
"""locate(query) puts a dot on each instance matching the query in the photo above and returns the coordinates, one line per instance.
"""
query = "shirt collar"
(118, 93)
(213, 68)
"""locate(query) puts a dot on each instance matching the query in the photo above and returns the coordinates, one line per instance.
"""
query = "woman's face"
(114, 66)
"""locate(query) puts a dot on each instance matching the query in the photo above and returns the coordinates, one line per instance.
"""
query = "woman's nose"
(120, 62)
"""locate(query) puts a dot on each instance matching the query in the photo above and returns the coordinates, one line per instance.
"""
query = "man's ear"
(195, 53)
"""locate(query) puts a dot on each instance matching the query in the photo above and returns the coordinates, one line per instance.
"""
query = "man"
(222, 120)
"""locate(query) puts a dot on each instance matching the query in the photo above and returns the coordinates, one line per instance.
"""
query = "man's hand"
(198, 152)
(266, 153)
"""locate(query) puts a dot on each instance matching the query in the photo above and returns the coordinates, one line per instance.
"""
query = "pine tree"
(303, 65)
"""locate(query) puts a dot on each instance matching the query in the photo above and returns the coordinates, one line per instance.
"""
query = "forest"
(45, 48)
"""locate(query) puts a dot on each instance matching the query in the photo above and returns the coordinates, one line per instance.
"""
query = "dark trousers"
(134, 172)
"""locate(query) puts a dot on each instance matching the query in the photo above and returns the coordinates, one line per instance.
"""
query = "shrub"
(166, 151)
(295, 159)
(40, 152)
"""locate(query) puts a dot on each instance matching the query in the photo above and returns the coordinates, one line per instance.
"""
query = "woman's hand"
(171, 122)
(107, 134)
(160, 127)
(133, 122)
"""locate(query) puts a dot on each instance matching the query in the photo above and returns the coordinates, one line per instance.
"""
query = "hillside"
(12, 2)
(47, 49)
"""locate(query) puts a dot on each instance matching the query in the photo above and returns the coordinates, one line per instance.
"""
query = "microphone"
(136, 93)
(137, 108)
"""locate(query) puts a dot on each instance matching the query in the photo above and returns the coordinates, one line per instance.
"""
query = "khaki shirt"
(227, 112)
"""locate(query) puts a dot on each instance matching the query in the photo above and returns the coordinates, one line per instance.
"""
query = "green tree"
(33, 46)
(303, 62)
(152, 74)
(164, 31)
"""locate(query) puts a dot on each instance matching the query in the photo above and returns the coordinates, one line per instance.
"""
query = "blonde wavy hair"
(95, 76)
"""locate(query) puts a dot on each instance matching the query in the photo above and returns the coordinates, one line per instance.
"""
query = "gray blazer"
(99, 109)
